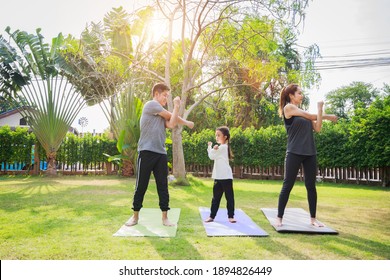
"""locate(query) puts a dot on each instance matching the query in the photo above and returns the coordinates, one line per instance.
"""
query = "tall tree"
(204, 35)
(5, 104)
(370, 136)
(100, 66)
(345, 100)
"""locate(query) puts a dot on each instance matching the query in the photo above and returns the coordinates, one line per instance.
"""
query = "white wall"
(12, 120)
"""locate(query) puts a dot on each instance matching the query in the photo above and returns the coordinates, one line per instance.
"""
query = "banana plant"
(118, 159)
(125, 122)
(126, 154)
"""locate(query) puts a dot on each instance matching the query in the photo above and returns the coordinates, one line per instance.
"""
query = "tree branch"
(193, 106)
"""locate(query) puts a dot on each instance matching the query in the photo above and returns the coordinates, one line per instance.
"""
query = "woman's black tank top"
(300, 138)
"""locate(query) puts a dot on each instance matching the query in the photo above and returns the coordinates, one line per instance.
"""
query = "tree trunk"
(51, 164)
(108, 166)
(37, 162)
(128, 168)
(178, 164)
(385, 176)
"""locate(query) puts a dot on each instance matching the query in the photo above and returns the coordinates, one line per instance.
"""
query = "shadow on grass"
(15, 200)
(175, 249)
(347, 244)
(191, 232)
(44, 198)
(353, 186)
(92, 206)
(276, 248)
(366, 245)
(196, 186)
(199, 187)
(43, 227)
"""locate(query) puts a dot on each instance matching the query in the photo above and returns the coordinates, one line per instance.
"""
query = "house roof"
(14, 111)
(17, 110)
(9, 113)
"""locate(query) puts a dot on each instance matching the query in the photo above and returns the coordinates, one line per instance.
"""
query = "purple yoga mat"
(222, 227)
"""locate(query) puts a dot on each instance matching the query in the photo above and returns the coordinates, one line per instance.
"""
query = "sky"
(357, 30)
(348, 30)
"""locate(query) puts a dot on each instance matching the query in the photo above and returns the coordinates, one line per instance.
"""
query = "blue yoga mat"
(222, 227)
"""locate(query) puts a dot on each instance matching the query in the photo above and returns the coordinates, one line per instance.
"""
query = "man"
(152, 155)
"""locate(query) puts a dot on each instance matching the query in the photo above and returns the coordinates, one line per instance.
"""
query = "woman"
(300, 148)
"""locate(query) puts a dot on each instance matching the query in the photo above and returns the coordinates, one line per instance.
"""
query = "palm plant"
(32, 77)
(125, 121)
(100, 65)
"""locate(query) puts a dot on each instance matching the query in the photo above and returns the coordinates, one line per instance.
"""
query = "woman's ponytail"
(285, 96)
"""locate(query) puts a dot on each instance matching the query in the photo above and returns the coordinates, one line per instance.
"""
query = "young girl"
(222, 173)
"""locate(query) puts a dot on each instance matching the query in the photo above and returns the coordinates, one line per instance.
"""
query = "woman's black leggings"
(291, 168)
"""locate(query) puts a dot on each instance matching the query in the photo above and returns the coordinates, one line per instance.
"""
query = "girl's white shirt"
(221, 169)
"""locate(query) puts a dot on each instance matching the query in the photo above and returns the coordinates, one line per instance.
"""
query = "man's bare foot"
(209, 220)
(167, 223)
(278, 222)
(131, 222)
(232, 220)
(316, 223)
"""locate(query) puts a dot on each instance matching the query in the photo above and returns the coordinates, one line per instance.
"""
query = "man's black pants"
(147, 163)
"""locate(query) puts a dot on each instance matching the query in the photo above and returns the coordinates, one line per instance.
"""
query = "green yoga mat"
(150, 224)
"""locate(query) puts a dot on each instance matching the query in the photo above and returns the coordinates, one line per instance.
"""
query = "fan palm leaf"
(50, 102)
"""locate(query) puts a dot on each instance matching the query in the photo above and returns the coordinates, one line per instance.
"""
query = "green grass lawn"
(75, 218)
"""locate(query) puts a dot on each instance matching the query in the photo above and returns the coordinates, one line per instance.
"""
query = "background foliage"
(362, 142)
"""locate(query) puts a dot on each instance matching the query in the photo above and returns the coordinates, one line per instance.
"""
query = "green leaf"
(121, 139)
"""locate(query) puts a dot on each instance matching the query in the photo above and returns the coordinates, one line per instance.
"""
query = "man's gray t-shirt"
(152, 129)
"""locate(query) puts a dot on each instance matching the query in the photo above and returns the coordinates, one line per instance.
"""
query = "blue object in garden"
(16, 166)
